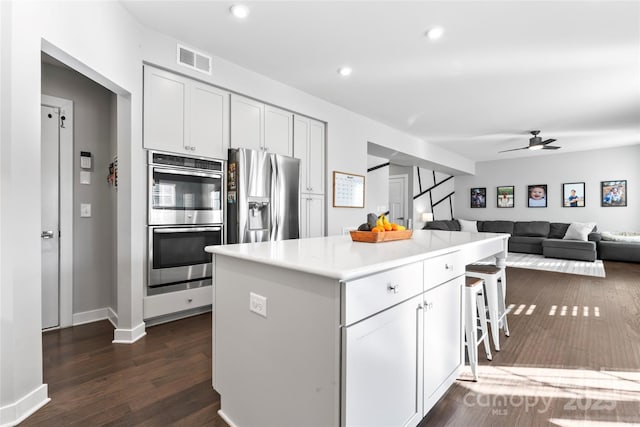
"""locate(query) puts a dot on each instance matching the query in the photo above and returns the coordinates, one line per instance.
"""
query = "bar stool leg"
(471, 333)
(482, 314)
(502, 305)
(491, 289)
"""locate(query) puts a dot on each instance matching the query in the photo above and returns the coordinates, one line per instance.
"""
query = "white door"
(165, 97)
(398, 199)
(247, 123)
(442, 325)
(316, 157)
(278, 131)
(208, 121)
(382, 368)
(50, 216)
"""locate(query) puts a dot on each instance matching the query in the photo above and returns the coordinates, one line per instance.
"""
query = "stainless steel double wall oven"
(185, 215)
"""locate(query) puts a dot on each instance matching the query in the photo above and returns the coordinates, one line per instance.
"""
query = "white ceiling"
(502, 69)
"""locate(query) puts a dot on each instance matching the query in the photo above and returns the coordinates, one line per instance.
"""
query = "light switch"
(85, 210)
(85, 177)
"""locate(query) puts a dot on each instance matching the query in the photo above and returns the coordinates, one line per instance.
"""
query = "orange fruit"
(394, 226)
(387, 227)
(377, 229)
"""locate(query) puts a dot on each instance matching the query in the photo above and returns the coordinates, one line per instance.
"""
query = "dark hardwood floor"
(561, 366)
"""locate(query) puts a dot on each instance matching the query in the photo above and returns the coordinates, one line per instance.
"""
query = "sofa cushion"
(557, 230)
(569, 249)
(531, 228)
(579, 231)
(496, 226)
(619, 251)
(525, 244)
(569, 244)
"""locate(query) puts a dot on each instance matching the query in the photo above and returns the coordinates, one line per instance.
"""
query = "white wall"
(102, 41)
(425, 179)
(590, 167)
(93, 238)
(376, 187)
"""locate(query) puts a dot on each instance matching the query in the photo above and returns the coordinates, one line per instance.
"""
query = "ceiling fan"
(536, 143)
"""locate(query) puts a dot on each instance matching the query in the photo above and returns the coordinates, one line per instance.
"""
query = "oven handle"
(187, 173)
(186, 230)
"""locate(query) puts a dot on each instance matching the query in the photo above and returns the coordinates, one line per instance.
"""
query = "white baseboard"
(113, 317)
(225, 418)
(96, 315)
(89, 316)
(14, 414)
(129, 336)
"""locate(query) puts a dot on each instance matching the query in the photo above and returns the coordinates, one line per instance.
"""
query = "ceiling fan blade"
(548, 141)
(550, 147)
(514, 149)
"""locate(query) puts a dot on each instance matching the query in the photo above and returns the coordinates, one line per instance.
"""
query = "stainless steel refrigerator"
(262, 196)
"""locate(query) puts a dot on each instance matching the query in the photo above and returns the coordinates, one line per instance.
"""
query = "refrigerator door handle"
(275, 218)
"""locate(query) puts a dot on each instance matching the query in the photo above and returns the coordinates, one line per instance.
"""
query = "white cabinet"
(278, 131)
(382, 362)
(308, 146)
(247, 123)
(442, 325)
(184, 116)
(311, 215)
(258, 126)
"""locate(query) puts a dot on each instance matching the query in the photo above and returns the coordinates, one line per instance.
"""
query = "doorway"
(57, 216)
(398, 195)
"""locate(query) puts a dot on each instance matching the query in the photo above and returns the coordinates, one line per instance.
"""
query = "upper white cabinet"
(258, 126)
(278, 131)
(247, 123)
(184, 116)
(308, 146)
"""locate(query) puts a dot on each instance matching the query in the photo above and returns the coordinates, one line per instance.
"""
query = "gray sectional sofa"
(533, 237)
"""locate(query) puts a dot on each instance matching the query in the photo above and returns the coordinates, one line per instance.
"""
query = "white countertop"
(337, 257)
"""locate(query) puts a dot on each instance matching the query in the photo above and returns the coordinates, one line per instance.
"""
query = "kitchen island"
(330, 332)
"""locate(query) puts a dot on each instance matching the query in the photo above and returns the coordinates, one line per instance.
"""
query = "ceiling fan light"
(536, 147)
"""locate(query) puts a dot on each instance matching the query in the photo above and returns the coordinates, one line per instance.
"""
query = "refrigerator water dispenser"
(259, 214)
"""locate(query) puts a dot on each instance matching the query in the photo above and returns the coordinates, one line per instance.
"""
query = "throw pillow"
(579, 231)
(471, 226)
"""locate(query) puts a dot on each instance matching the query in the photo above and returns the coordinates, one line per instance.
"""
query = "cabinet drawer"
(442, 269)
(371, 294)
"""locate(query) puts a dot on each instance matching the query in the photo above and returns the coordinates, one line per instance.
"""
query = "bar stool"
(474, 311)
(495, 287)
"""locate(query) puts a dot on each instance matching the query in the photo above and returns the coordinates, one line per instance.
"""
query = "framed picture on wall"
(613, 193)
(479, 197)
(573, 195)
(506, 196)
(537, 196)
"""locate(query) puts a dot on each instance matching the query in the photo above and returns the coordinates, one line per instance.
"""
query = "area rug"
(539, 262)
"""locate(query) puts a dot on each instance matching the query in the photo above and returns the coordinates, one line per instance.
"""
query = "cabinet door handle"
(448, 266)
(428, 305)
(393, 288)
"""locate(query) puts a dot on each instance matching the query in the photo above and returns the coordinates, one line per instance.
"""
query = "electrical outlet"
(258, 304)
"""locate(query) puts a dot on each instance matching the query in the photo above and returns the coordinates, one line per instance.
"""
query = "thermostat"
(85, 160)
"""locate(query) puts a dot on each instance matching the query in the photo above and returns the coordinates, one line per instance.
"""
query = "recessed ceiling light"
(345, 71)
(240, 11)
(435, 33)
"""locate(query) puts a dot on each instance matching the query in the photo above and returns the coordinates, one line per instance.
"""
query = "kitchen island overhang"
(295, 357)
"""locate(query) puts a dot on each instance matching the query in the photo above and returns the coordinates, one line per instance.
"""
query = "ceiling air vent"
(194, 60)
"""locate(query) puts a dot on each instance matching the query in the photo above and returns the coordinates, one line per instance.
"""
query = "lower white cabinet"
(382, 365)
(402, 342)
(442, 325)
(311, 215)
